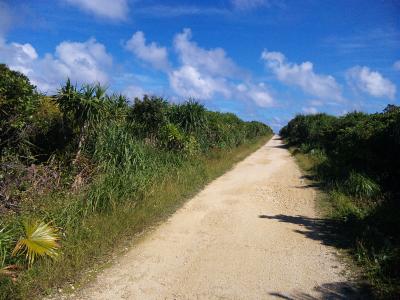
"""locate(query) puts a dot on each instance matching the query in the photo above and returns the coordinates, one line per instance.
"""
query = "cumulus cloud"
(206, 73)
(82, 62)
(212, 61)
(151, 53)
(303, 76)
(187, 81)
(115, 10)
(370, 82)
(396, 65)
(202, 73)
(256, 93)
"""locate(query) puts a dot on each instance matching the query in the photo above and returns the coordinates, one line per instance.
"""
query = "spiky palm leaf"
(40, 239)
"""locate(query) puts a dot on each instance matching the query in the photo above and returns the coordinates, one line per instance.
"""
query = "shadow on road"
(282, 146)
(310, 185)
(335, 290)
(324, 230)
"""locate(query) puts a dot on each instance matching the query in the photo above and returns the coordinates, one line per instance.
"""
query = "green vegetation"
(99, 170)
(356, 159)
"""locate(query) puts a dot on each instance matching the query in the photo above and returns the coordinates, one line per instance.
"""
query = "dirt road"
(251, 234)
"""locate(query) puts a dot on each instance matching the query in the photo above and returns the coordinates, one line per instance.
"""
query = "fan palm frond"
(41, 239)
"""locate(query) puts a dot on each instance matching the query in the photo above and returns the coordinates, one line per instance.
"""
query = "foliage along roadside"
(356, 158)
(100, 169)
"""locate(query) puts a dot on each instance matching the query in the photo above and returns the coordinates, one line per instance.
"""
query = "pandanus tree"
(82, 109)
(190, 116)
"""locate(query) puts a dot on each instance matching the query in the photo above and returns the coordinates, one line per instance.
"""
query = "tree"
(19, 100)
(150, 113)
(82, 109)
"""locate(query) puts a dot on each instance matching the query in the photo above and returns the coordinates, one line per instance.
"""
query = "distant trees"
(37, 126)
(369, 144)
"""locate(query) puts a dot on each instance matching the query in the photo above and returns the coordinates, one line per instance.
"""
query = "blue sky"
(261, 59)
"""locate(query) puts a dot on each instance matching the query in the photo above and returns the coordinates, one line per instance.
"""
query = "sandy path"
(250, 234)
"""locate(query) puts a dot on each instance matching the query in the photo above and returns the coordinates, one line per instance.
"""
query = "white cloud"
(133, 91)
(303, 76)
(151, 53)
(116, 9)
(85, 62)
(248, 4)
(396, 65)
(17, 56)
(310, 110)
(212, 61)
(206, 73)
(187, 81)
(370, 82)
(201, 73)
(256, 93)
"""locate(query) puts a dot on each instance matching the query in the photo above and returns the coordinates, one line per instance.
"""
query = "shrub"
(150, 114)
(361, 186)
(190, 116)
(171, 137)
(18, 102)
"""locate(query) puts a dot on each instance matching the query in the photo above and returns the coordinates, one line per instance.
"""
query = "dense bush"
(360, 166)
(367, 144)
(19, 102)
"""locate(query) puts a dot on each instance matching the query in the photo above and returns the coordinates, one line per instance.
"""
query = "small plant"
(171, 137)
(40, 239)
(361, 186)
(6, 240)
